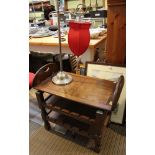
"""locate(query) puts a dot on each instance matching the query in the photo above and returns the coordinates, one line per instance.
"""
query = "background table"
(51, 45)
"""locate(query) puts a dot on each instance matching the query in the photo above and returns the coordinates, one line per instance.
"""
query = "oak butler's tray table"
(82, 106)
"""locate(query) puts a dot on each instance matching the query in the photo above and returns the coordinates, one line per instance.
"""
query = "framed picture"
(110, 72)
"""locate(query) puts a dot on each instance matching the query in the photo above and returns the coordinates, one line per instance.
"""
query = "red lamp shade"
(79, 37)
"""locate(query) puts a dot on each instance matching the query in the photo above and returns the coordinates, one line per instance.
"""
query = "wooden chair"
(65, 61)
(73, 63)
(37, 60)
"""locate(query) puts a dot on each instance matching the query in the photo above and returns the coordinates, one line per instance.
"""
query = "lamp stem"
(59, 35)
(61, 78)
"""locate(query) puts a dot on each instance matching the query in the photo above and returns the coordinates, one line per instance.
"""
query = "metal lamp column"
(61, 78)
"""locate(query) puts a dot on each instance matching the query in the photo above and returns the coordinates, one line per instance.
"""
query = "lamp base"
(61, 78)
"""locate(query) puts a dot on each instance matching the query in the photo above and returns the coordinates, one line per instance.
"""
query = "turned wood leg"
(94, 143)
(99, 128)
(41, 103)
(95, 132)
(97, 144)
(107, 119)
(91, 143)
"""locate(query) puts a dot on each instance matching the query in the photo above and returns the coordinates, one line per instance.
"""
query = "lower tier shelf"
(70, 124)
(72, 109)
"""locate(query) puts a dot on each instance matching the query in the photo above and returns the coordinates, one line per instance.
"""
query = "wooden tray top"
(87, 90)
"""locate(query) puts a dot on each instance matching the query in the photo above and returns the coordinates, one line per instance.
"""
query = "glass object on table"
(78, 39)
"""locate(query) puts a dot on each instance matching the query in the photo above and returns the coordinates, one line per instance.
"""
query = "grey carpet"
(34, 111)
(43, 142)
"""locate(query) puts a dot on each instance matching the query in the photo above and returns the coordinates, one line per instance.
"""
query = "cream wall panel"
(38, 15)
(73, 3)
(93, 2)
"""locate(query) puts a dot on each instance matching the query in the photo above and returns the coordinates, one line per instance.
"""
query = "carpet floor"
(33, 127)
(43, 142)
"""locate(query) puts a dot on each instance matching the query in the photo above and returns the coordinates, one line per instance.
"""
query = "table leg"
(95, 132)
(99, 124)
(41, 103)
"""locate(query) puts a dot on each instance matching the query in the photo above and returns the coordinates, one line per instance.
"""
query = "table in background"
(51, 45)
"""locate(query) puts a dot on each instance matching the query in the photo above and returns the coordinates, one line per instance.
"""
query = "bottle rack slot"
(72, 109)
(69, 123)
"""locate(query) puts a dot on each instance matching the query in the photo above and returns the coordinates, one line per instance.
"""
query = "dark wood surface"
(87, 90)
(116, 2)
(44, 72)
(116, 32)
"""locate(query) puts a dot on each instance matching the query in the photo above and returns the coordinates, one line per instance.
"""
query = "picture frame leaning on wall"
(110, 72)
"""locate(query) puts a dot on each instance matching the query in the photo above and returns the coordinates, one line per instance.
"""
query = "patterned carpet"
(43, 142)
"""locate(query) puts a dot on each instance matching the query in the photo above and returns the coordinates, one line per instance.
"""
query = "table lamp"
(61, 78)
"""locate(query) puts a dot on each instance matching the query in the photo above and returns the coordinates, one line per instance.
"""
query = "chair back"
(73, 63)
(44, 72)
(37, 60)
